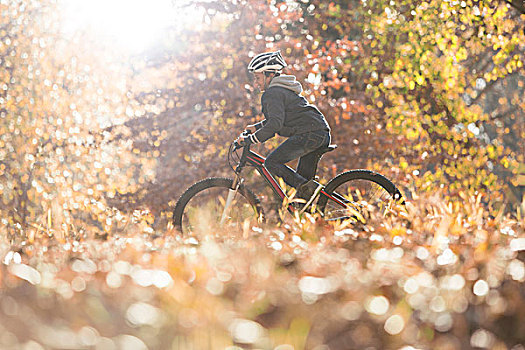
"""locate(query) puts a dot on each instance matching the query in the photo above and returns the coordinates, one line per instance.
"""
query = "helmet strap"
(269, 74)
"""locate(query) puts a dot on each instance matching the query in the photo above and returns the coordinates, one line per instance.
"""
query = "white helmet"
(267, 62)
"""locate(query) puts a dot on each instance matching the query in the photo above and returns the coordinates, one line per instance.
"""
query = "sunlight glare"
(133, 25)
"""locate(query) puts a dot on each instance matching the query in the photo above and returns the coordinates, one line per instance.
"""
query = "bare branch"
(517, 4)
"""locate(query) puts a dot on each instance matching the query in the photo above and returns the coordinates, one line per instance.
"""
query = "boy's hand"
(242, 138)
(251, 128)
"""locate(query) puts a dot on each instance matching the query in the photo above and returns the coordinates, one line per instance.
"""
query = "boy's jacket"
(286, 112)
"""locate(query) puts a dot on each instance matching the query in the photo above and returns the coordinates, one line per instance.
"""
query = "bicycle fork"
(231, 194)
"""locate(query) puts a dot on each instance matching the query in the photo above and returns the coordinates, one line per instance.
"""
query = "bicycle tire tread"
(358, 174)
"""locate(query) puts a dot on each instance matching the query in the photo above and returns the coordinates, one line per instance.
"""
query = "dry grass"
(444, 274)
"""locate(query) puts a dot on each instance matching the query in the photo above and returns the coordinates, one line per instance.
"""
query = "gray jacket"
(286, 112)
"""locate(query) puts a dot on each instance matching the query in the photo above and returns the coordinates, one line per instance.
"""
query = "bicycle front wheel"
(358, 194)
(201, 209)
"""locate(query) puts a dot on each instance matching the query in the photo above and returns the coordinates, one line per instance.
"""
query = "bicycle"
(354, 194)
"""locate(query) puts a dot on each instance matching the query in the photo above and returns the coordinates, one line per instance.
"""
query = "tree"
(53, 101)
(429, 65)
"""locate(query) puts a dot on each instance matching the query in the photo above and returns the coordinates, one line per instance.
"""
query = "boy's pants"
(302, 146)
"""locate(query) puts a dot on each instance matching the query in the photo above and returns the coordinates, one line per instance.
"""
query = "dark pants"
(302, 146)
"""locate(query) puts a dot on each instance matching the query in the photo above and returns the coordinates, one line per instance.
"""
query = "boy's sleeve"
(273, 108)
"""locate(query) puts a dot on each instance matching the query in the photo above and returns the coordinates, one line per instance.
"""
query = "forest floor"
(441, 275)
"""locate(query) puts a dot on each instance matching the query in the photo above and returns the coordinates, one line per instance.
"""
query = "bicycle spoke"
(204, 211)
(363, 198)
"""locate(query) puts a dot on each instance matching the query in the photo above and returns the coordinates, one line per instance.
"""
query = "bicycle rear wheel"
(358, 194)
(199, 210)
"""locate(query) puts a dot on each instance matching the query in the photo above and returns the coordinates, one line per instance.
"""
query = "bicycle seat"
(326, 149)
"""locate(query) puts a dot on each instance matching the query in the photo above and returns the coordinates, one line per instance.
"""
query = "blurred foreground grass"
(443, 275)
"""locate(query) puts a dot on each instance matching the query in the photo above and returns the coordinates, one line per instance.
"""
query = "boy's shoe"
(306, 190)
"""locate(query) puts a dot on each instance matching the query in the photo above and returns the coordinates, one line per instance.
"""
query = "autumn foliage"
(96, 145)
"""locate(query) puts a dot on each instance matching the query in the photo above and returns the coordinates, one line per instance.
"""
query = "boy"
(288, 114)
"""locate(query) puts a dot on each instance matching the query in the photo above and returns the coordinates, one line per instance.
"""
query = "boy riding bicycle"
(288, 114)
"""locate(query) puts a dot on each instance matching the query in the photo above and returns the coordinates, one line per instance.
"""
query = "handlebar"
(236, 145)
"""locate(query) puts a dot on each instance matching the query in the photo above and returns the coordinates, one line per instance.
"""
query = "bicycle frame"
(357, 194)
(249, 157)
